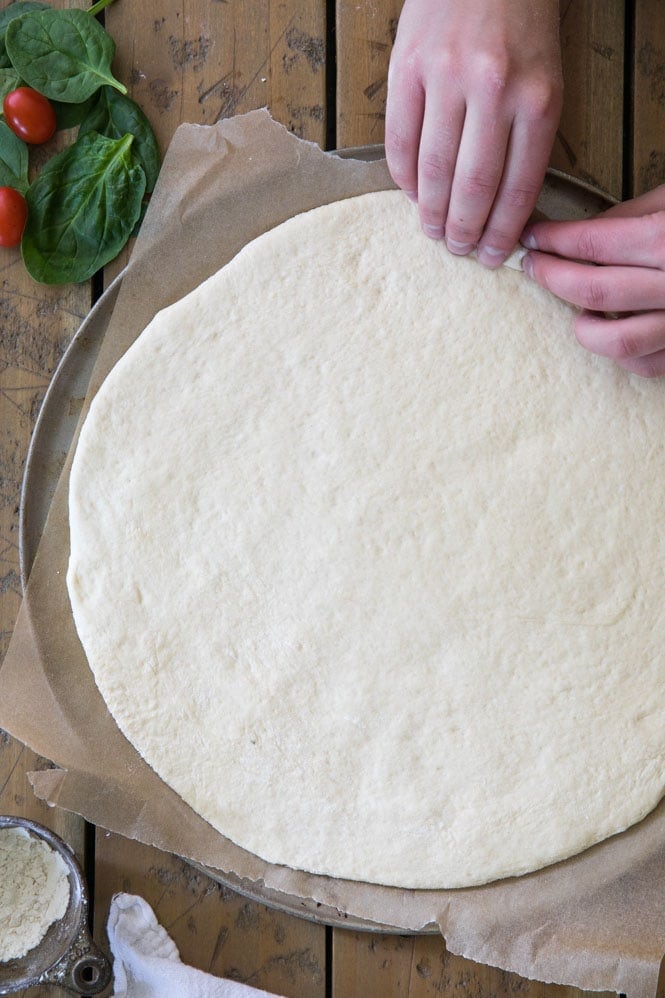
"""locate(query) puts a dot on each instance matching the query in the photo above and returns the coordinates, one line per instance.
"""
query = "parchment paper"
(596, 921)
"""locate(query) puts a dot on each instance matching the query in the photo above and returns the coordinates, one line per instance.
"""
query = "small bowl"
(66, 956)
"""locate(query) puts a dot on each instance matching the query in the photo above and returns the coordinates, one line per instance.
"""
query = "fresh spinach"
(9, 80)
(114, 115)
(71, 115)
(64, 54)
(13, 160)
(6, 15)
(82, 208)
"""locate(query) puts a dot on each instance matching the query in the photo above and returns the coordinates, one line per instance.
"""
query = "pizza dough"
(367, 558)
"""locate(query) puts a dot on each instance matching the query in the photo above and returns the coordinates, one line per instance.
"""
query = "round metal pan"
(562, 197)
(66, 957)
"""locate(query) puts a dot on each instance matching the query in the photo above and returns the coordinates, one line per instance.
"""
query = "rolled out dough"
(367, 558)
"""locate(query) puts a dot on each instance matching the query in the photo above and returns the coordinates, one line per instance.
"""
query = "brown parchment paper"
(596, 921)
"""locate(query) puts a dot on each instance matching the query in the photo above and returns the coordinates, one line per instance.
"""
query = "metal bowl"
(66, 956)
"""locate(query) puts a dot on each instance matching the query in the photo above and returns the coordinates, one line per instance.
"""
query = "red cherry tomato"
(29, 114)
(13, 215)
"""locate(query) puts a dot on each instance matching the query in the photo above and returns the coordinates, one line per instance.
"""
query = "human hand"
(614, 263)
(474, 97)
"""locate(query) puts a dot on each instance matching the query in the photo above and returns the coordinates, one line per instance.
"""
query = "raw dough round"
(367, 558)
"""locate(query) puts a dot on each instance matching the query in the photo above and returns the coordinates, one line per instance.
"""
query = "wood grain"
(648, 105)
(36, 324)
(204, 60)
(214, 928)
(421, 967)
(589, 142)
(365, 33)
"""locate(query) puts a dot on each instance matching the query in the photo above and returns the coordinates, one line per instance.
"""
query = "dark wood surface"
(322, 72)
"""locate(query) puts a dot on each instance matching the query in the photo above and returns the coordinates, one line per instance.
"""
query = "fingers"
(478, 170)
(443, 124)
(633, 340)
(610, 239)
(404, 119)
(652, 366)
(636, 339)
(528, 152)
(599, 289)
(644, 204)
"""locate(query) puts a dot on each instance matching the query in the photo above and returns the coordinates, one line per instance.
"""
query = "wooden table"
(321, 69)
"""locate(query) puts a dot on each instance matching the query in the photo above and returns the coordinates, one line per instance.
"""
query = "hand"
(474, 97)
(623, 274)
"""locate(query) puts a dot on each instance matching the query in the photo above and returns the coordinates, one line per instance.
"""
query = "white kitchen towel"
(146, 962)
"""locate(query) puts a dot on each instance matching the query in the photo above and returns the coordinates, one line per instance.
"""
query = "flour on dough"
(367, 558)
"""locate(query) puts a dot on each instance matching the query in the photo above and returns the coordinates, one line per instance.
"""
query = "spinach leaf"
(71, 115)
(114, 115)
(65, 54)
(6, 15)
(13, 160)
(81, 209)
(9, 80)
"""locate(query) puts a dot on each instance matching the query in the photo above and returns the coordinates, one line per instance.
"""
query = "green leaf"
(7, 14)
(71, 115)
(9, 80)
(114, 115)
(13, 160)
(81, 209)
(65, 54)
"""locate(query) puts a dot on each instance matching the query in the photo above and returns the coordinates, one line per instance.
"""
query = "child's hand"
(474, 97)
(611, 264)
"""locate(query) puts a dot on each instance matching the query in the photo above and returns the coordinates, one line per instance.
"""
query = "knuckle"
(435, 168)
(442, 63)
(646, 367)
(523, 196)
(398, 145)
(478, 185)
(431, 216)
(594, 295)
(587, 245)
(654, 234)
(461, 233)
(493, 73)
(624, 346)
(542, 99)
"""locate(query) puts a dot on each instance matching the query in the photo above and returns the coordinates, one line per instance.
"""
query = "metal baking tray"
(562, 197)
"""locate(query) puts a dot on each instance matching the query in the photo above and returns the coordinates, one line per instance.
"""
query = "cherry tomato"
(29, 114)
(13, 215)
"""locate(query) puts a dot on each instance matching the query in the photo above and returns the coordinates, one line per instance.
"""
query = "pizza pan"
(66, 957)
(562, 197)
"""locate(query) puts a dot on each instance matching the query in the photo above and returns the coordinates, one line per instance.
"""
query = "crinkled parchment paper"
(596, 921)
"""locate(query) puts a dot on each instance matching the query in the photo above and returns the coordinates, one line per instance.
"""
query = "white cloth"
(146, 962)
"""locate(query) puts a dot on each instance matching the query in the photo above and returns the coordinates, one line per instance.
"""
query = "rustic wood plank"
(365, 33)
(197, 61)
(36, 324)
(589, 143)
(648, 124)
(366, 966)
(213, 927)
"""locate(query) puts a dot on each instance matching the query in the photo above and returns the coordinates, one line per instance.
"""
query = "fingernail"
(528, 239)
(412, 195)
(459, 248)
(490, 256)
(433, 231)
(527, 265)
